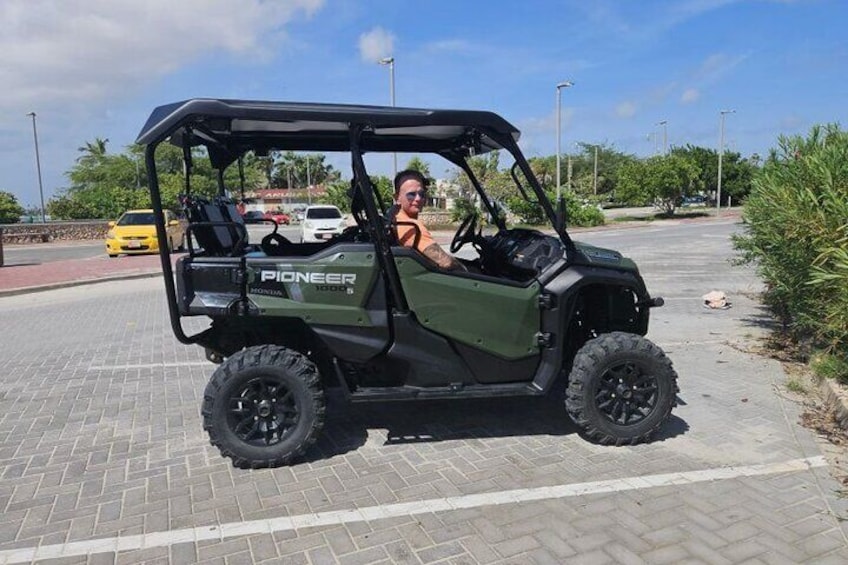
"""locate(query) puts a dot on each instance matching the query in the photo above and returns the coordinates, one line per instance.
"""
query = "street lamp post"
(38, 166)
(308, 182)
(559, 87)
(722, 113)
(595, 175)
(652, 136)
(390, 61)
(664, 124)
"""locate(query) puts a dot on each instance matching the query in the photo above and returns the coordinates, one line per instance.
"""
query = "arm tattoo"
(442, 259)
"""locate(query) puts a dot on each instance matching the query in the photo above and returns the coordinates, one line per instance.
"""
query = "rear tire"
(621, 389)
(264, 406)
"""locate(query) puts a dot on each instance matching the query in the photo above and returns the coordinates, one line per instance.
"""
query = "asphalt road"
(103, 457)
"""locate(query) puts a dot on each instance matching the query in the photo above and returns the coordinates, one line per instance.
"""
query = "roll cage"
(228, 129)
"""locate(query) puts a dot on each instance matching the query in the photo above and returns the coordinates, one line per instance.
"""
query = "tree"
(10, 210)
(103, 185)
(418, 164)
(338, 193)
(737, 173)
(92, 150)
(661, 180)
(301, 169)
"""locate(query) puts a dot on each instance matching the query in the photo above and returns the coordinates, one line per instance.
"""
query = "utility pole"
(595, 176)
(38, 167)
(664, 124)
(722, 113)
(308, 182)
(559, 87)
(390, 61)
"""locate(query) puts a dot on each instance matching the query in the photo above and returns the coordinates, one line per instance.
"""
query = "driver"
(411, 197)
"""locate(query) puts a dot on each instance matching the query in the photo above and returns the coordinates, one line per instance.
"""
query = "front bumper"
(117, 246)
(320, 235)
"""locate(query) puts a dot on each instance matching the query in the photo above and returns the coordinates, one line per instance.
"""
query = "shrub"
(578, 213)
(10, 210)
(462, 208)
(796, 234)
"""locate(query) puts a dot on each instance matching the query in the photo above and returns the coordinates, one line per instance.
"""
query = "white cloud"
(376, 44)
(54, 53)
(626, 109)
(690, 95)
(546, 124)
(717, 65)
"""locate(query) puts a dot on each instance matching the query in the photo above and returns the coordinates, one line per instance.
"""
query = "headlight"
(110, 234)
(308, 225)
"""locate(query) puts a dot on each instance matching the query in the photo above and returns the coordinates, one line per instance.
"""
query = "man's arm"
(437, 255)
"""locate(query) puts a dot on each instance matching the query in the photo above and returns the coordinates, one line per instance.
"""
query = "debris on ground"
(716, 299)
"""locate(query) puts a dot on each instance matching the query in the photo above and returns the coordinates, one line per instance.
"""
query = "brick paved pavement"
(19, 279)
(100, 438)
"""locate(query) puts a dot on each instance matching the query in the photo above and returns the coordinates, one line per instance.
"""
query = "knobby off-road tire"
(263, 407)
(621, 389)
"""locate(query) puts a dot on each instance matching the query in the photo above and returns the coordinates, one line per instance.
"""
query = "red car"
(280, 217)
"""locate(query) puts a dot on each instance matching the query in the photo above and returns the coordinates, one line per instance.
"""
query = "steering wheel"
(275, 244)
(464, 234)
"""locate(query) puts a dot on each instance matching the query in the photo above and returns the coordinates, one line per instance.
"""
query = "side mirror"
(111, 224)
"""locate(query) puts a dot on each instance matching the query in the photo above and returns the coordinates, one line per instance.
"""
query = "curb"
(836, 400)
(77, 282)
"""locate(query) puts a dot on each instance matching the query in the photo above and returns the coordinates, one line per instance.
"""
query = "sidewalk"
(19, 279)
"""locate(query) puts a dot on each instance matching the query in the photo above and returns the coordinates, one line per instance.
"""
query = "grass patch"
(827, 366)
(634, 219)
(795, 385)
(662, 216)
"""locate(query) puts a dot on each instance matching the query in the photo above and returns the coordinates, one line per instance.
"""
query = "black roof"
(231, 127)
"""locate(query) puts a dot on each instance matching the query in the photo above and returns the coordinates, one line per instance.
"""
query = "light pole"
(308, 182)
(559, 87)
(722, 113)
(653, 136)
(595, 176)
(664, 124)
(38, 167)
(390, 61)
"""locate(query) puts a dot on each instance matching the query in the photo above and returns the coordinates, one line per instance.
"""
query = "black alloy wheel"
(621, 389)
(263, 411)
(627, 393)
(264, 406)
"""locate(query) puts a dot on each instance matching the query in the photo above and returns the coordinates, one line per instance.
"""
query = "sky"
(97, 68)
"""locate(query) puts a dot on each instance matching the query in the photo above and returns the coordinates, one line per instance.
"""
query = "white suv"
(320, 223)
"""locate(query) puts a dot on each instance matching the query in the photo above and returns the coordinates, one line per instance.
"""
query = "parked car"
(695, 200)
(321, 223)
(253, 216)
(279, 217)
(135, 233)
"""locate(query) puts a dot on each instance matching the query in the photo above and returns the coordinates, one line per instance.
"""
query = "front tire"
(263, 407)
(621, 389)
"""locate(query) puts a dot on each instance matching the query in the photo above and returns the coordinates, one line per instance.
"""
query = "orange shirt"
(406, 233)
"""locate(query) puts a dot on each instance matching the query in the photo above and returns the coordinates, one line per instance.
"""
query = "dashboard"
(520, 254)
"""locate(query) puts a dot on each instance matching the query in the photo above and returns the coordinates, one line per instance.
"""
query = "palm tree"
(92, 150)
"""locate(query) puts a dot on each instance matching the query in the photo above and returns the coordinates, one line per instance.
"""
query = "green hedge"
(796, 221)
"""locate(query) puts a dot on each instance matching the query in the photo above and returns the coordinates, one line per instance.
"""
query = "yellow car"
(135, 232)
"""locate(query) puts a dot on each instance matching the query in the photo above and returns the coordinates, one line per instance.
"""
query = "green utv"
(288, 321)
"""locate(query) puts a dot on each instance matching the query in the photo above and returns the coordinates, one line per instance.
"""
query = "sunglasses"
(420, 193)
